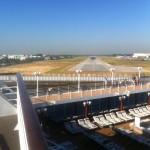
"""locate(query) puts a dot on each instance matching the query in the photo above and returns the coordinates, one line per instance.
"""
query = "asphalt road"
(99, 65)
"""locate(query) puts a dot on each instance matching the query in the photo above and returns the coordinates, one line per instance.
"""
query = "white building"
(21, 57)
(136, 55)
(13, 57)
(24, 57)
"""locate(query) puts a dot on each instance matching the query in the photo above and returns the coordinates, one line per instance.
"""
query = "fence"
(65, 78)
(93, 92)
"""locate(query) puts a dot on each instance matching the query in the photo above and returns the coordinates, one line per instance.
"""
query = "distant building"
(20, 57)
(35, 58)
(144, 55)
(47, 58)
(61, 57)
(119, 57)
(2, 57)
(13, 57)
(24, 57)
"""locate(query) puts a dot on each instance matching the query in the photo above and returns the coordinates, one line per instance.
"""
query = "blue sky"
(93, 27)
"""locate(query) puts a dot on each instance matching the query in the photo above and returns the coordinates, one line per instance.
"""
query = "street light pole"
(123, 97)
(48, 90)
(86, 104)
(148, 98)
(37, 74)
(78, 74)
(139, 69)
(112, 75)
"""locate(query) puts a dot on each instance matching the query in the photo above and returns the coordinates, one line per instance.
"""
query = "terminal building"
(74, 115)
(62, 110)
(143, 55)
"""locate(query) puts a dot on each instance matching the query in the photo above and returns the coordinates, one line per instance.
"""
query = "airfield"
(89, 65)
(96, 64)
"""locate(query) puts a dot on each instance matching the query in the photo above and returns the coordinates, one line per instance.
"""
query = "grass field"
(130, 63)
(124, 62)
(63, 65)
(45, 67)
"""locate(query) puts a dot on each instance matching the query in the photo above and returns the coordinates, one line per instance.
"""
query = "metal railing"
(65, 78)
(93, 92)
(30, 132)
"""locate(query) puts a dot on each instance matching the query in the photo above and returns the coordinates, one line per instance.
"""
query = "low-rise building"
(144, 55)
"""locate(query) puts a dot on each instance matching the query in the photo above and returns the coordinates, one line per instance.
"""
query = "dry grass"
(124, 62)
(46, 67)
(63, 65)
(130, 63)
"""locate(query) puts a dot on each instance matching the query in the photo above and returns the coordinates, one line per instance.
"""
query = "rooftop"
(91, 94)
(9, 138)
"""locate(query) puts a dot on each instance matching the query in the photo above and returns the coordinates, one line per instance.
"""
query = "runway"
(95, 64)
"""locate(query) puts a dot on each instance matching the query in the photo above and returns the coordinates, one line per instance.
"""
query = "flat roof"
(88, 94)
(9, 139)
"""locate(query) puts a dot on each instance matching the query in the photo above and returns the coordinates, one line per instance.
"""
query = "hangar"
(145, 55)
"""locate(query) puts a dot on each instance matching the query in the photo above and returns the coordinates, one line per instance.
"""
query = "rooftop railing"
(65, 77)
(30, 133)
(102, 92)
